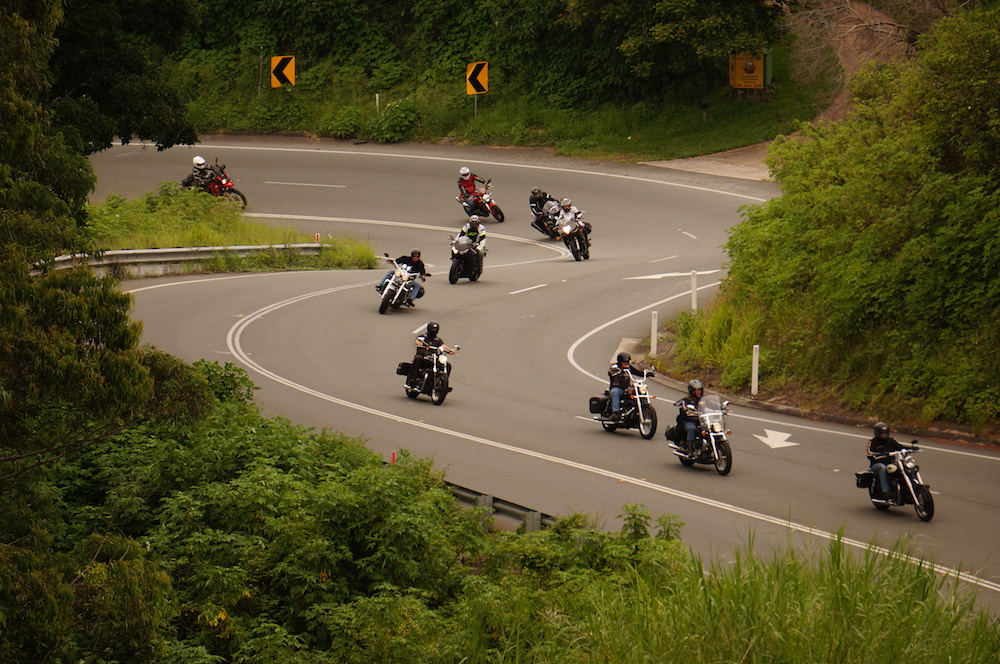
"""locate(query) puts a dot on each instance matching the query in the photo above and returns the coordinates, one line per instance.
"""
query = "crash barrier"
(123, 263)
(533, 521)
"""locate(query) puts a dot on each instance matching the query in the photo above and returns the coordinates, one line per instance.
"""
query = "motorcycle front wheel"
(387, 294)
(236, 195)
(440, 389)
(923, 503)
(453, 273)
(647, 424)
(497, 213)
(724, 461)
(574, 248)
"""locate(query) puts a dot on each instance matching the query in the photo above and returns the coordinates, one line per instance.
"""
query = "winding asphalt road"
(537, 333)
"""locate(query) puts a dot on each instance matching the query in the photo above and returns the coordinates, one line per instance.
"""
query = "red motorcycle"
(219, 183)
(481, 203)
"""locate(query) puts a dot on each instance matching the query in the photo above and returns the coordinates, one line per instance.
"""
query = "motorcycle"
(637, 410)
(481, 203)
(906, 485)
(573, 231)
(433, 379)
(545, 220)
(220, 184)
(466, 259)
(394, 292)
(711, 446)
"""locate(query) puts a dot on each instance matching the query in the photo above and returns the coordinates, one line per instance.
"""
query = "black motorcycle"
(466, 259)
(711, 446)
(433, 377)
(637, 410)
(546, 218)
(906, 487)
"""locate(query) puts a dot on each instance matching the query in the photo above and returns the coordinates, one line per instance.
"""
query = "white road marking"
(525, 290)
(670, 274)
(775, 439)
(308, 184)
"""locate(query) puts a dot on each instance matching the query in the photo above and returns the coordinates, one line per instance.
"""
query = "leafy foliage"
(876, 271)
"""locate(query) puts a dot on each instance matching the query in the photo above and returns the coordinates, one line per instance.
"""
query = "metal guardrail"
(532, 519)
(174, 260)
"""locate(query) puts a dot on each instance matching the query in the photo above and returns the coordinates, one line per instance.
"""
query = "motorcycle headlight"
(716, 428)
(891, 468)
(566, 229)
(910, 463)
(642, 389)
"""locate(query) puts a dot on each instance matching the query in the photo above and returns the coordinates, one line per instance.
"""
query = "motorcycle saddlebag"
(672, 434)
(597, 404)
(864, 479)
(403, 369)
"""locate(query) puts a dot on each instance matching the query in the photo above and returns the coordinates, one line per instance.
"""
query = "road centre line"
(525, 290)
(233, 342)
(307, 184)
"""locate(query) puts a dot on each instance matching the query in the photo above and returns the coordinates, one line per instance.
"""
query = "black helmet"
(415, 253)
(432, 329)
(881, 430)
(536, 191)
(624, 357)
(695, 385)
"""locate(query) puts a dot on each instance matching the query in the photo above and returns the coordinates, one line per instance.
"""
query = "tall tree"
(107, 78)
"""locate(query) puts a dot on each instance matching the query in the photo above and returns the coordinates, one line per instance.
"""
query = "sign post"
(476, 81)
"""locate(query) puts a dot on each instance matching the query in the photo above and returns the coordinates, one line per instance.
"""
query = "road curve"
(536, 332)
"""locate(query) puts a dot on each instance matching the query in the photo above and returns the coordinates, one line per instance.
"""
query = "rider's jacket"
(475, 233)
(685, 413)
(416, 264)
(878, 448)
(468, 186)
(425, 343)
(619, 375)
(535, 203)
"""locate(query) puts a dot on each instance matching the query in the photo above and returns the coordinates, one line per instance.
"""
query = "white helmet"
(198, 162)
(566, 202)
(464, 172)
(474, 219)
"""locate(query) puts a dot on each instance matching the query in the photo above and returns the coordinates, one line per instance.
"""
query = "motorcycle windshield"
(711, 414)
(462, 244)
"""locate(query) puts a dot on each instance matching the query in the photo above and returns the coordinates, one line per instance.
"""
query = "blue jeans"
(691, 428)
(616, 398)
(883, 476)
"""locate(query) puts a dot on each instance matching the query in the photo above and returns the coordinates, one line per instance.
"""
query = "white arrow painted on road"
(775, 439)
(670, 274)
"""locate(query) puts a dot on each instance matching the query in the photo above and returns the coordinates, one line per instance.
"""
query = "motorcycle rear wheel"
(647, 426)
(387, 294)
(610, 427)
(584, 248)
(723, 462)
(236, 195)
(923, 503)
(440, 389)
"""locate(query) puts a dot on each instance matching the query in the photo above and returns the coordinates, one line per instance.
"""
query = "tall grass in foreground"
(837, 606)
(173, 217)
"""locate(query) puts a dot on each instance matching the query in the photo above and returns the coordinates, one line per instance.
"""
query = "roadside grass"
(174, 217)
(832, 605)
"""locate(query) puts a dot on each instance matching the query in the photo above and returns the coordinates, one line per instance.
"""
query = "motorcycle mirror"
(457, 346)
(385, 254)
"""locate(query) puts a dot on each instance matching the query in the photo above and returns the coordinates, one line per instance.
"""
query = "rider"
(687, 418)
(618, 375)
(414, 264)
(467, 186)
(878, 454)
(537, 201)
(422, 360)
(475, 231)
(568, 209)
(199, 175)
